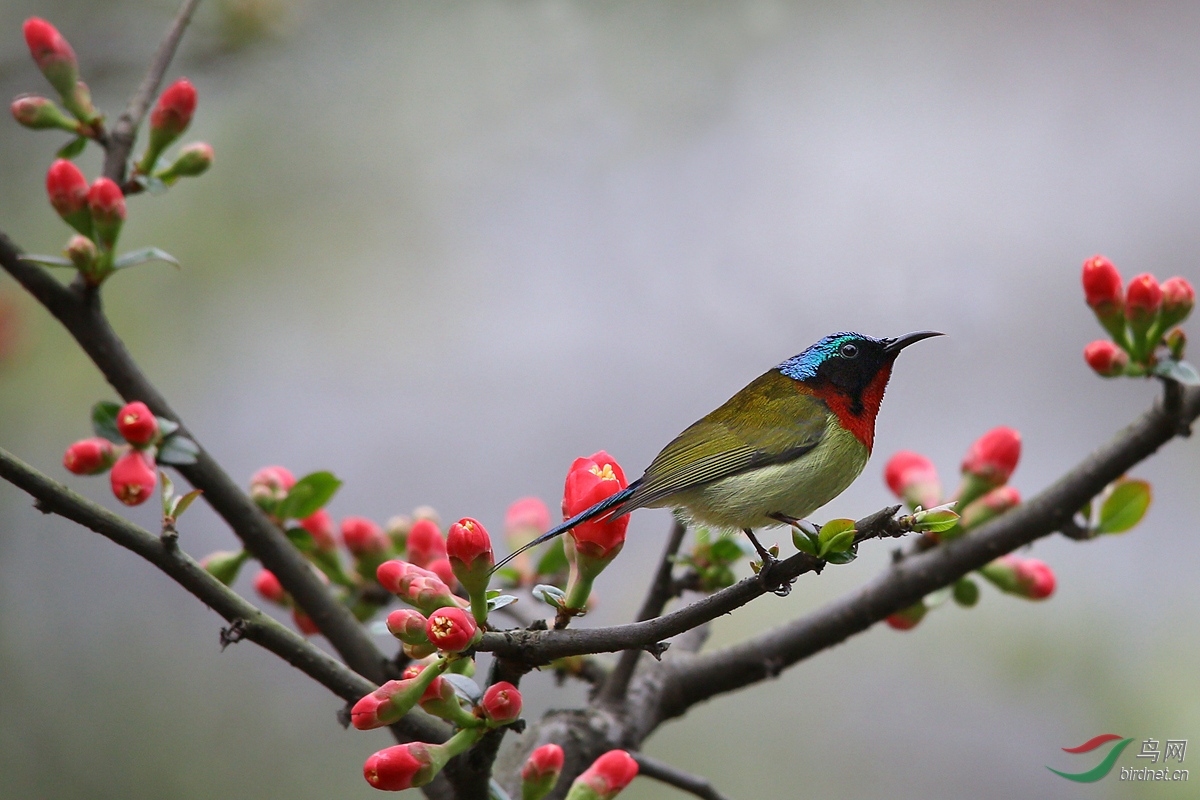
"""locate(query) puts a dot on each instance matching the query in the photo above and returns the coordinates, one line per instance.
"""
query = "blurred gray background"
(448, 247)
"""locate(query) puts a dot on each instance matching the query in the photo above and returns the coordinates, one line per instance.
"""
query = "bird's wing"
(769, 422)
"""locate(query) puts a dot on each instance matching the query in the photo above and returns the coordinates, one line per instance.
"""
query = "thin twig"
(656, 599)
(662, 771)
(124, 132)
(246, 621)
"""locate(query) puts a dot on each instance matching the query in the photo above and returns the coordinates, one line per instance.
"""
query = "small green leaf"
(844, 557)
(503, 600)
(1124, 507)
(550, 595)
(1180, 371)
(166, 427)
(805, 543)
(182, 503)
(72, 148)
(49, 261)
(168, 494)
(308, 495)
(935, 520)
(554, 560)
(135, 257)
(838, 544)
(966, 592)
(104, 421)
(178, 451)
(301, 539)
(726, 550)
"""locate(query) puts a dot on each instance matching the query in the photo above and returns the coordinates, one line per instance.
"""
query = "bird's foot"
(768, 568)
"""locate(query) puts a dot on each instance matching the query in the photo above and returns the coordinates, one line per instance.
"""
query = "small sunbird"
(782, 447)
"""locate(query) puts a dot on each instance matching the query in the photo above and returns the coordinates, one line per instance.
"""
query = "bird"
(790, 441)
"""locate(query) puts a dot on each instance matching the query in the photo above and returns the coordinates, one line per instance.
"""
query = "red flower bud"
(408, 625)
(1106, 358)
(1144, 297)
(89, 456)
(1177, 302)
(1035, 579)
(400, 766)
(107, 204)
(425, 543)
(541, 771)
(467, 542)
(40, 113)
(68, 192)
(451, 629)
(385, 705)
(137, 424)
(993, 456)
(173, 112)
(442, 568)
(991, 505)
(1102, 285)
(589, 481)
(269, 587)
(501, 703)
(908, 618)
(270, 485)
(320, 526)
(363, 537)
(133, 478)
(417, 587)
(304, 623)
(913, 478)
(608, 775)
(52, 54)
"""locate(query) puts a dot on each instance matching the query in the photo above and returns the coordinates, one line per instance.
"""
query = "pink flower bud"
(68, 192)
(52, 54)
(1144, 298)
(1102, 285)
(417, 587)
(408, 625)
(400, 766)
(425, 543)
(173, 112)
(82, 252)
(89, 456)
(1106, 358)
(107, 204)
(990, 506)
(467, 542)
(269, 587)
(607, 776)
(451, 629)
(137, 424)
(525, 520)
(993, 456)
(441, 567)
(501, 704)
(363, 537)
(270, 485)
(589, 481)
(133, 478)
(1177, 302)
(541, 771)
(1035, 579)
(908, 618)
(913, 478)
(40, 113)
(320, 526)
(383, 706)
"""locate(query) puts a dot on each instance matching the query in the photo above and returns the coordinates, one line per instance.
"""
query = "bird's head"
(850, 372)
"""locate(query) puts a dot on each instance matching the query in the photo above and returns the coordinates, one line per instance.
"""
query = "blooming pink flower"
(589, 481)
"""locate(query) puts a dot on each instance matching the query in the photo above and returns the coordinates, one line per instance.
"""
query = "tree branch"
(246, 621)
(78, 309)
(698, 678)
(662, 771)
(121, 138)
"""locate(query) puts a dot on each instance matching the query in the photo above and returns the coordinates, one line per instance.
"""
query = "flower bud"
(52, 54)
(41, 113)
(401, 766)
(1028, 578)
(470, 554)
(605, 778)
(269, 587)
(989, 463)
(1177, 343)
(1106, 358)
(133, 478)
(107, 205)
(363, 537)
(541, 772)
(990, 506)
(68, 192)
(592, 545)
(501, 704)
(173, 112)
(418, 587)
(525, 520)
(194, 159)
(320, 526)
(1178, 299)
(913, 478)
(89, 456)
(394, 699)
(137, 424)
(82, 252)
(270, 485)
(908, 618)
(425, 543)
(1102, 288)
(452, 630)
(443, 702)
(441, 567)
(397, 530)
(408, 625)
(224, 565)
(1143, 300)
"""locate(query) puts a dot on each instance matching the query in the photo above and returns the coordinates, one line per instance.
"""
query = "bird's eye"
(848, 350)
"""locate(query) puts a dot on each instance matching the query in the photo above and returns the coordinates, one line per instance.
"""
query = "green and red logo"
(1104, 767)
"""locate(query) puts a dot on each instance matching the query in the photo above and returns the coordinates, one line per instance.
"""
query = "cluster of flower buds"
(1141, 320)
(97, 211)
(983, 494)
(605, 778)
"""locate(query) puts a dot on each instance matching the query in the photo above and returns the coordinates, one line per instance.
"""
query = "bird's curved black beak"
(901, 342)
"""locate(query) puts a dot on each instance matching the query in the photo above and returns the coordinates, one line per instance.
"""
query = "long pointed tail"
(598, 510)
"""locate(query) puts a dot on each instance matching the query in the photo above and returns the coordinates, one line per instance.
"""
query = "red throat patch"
(862, 424)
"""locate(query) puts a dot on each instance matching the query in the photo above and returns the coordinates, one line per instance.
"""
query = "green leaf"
(844, 557)
(935, 520)
(1180, 371)
(72, 148)
(168, 494)
(166, 427)
(1086, 512)
(181, 504)
(838, 544)
(550, 595)
(49, 261)
(966, 592)
(309, 494)
(104, 421)
(805, 543)
(554, 560)
(726, 550)
(301, 539)
(135, 257)
(503, 600)
(1125, 506)
(178, 451)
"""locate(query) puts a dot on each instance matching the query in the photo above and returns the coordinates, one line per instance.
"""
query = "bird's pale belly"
(796, 488)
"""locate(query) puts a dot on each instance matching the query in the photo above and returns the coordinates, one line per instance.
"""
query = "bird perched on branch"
(782, 447)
